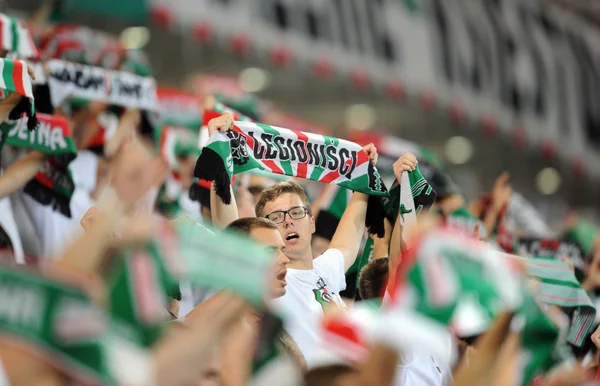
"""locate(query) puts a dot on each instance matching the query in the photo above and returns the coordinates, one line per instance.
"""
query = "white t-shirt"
(416, 369)
(45, 232)
(419, 369)
(306, 293)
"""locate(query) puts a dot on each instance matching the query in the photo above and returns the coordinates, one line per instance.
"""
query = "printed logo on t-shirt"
(323, 294)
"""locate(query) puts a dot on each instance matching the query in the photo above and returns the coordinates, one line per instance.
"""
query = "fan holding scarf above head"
(320, 158)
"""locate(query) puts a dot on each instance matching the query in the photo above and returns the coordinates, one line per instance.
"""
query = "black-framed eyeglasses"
(295, 213)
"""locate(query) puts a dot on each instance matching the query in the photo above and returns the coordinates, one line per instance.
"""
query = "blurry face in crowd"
(296, 233)
(272, 241)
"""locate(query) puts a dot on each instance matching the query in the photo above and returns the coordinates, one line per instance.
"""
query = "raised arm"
(348, 235)
(17, 174)
(222, 215)
(127, 125)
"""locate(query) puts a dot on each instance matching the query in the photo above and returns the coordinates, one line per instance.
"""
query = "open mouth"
(281, 276)
(291, 236)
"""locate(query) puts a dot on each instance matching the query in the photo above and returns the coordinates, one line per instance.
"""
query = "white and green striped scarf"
(15, 37)
(60, 325)
(15, 78)
(559, 286)
(451, 279)
(292, 153)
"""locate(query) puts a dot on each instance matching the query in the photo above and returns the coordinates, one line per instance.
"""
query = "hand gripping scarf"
(293, 153)
(53, 184)
(59, 324)
(15, 78)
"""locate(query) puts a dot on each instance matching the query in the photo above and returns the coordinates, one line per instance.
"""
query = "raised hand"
(407, 162)
(371, 151)
(221, 124)
(135, 173)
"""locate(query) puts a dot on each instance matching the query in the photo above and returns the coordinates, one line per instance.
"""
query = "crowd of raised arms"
(213, 245)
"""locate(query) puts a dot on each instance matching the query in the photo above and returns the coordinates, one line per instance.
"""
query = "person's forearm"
(380, 248)
(17, 174)
(5, 109)
(395, 244)
(179, 359)
(86, 254)
(222, 214)
(236, 357)
(41, 15)
(112, 145)
(348, 235)
(491, 217)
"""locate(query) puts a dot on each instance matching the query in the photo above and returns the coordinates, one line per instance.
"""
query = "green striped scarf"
(15, 78)
(179, 108)
(462, 219)
(451, 279)
(214, 261)
(53, 184)
(584, 234)
(560, 287)
(15, 37)
(59, 324)
(292, 153)
(246, 105)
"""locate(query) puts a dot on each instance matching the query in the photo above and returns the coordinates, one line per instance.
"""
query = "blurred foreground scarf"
(60, 325)
(52, 184)
(293, 153)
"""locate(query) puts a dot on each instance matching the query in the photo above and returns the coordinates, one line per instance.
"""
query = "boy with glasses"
(312, 283)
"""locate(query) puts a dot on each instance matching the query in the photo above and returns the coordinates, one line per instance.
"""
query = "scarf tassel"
(210, 167)
(24, 107)
(374, 217)
(45, 196)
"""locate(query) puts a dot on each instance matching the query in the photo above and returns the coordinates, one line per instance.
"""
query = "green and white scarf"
(292, 153)
(52, 138)
(584, 234)
(451, 280)
(15, 78)
(415, 195)
(53, 184)
(179, 108)
(215, 262)
(246, 105)
(559, 286)
(465, 221)
(59, 324)
(16, 38)
(68, 80)
(140, 289)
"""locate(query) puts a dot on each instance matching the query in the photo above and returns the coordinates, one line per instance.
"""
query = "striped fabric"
(292, 153)
(16, 38)
(16, 78)
(558, 286)
(221, 108)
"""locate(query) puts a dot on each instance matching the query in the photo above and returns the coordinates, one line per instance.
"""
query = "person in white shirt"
(312, 283)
